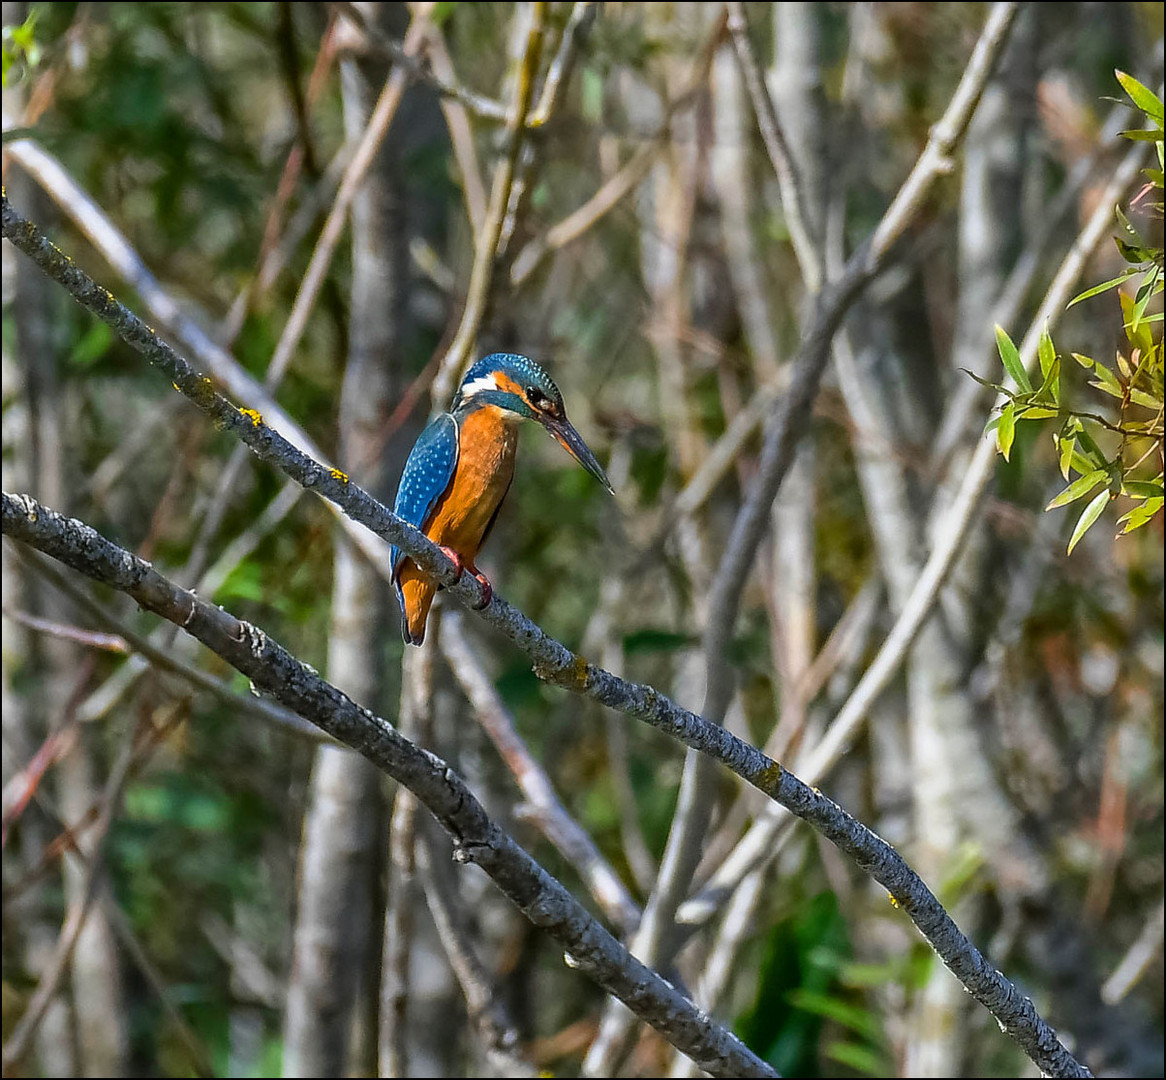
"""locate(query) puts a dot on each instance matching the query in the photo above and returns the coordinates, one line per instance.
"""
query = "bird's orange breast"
(487, 442)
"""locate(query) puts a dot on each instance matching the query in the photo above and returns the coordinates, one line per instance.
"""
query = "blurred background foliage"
(179, 119)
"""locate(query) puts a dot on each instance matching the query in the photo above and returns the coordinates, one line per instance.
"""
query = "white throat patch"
(480, 384)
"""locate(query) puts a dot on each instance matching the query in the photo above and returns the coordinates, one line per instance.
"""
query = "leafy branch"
(1134, 384)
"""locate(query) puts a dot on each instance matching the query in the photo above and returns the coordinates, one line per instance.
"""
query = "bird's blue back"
(427, 474)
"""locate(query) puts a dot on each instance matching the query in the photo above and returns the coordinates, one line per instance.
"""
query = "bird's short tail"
(415, 592)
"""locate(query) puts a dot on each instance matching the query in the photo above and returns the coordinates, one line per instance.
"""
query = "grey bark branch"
(477, 839)
(554, 662)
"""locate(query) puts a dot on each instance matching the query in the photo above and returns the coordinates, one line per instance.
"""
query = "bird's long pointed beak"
(573, 443)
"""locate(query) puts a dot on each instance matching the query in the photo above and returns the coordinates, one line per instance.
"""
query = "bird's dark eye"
(536, 397)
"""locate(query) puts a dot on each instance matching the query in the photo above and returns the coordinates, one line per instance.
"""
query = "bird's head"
(518, 385)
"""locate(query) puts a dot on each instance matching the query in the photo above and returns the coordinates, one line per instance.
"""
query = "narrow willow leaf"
(1142, 489)
(1140, 515)
(1147, 401)
(1046, 352)
(1037, 412)
(1088, 516)
(1103, 287)
(1145, 291)
(1011, 360)
(1079, 488)
(1144, 98)
(1051, 388)
(1006, 430)
(1106, 380)
(1066, 448)
(1133, 312)
(1085, 462)
(1085, 361)
(1134, 254)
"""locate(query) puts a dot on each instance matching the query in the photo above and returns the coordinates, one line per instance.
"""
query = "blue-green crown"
(534, 385)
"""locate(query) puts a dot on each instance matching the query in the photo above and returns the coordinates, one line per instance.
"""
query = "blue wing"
(427, 475)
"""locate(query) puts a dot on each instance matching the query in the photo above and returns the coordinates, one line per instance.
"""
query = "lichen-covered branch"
(554, 662)
(477, 839)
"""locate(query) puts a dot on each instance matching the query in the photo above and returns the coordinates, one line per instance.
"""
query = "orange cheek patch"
(506, 383)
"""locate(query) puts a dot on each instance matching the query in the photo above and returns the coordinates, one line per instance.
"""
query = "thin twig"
(457, 357)
(163, 660)
(407, 61)
(461, 134)
(362, 160)
(1138, 958)
(623, 181)
(796, 213)
(484, 1002)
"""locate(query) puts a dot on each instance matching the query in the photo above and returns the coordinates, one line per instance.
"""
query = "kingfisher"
(460, 469)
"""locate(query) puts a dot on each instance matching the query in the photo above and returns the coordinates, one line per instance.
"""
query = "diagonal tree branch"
(554, 662)
(274, 672)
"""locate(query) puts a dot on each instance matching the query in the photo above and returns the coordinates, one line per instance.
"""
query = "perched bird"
(460, 469)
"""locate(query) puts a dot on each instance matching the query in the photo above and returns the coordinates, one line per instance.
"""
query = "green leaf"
(1141, 515)
(1103, 287)
(1050, 389)
(1011, 360)
(1079, 488)
(1037, 412)
(1006, 430)
(1066, 448)
(858, 1057)
(1143, 489)
(1046, 352)
(1086, 462)
(1088, 516)
(92, 345)
(1147, 401)
(1085, 361)
(1106, 381)
(1144, 98)
(1141, 135)
(1135, 254)
(1132, 313)
(855, 1017)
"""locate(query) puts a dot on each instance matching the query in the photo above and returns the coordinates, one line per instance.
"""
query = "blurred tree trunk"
(342, 845)
(795, 82)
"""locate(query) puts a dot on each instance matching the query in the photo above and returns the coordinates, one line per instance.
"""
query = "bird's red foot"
(487, 590)
(459, 564)
(454, 558)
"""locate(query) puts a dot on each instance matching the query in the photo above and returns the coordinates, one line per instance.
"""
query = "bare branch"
(362, 160)
(406, 60)
(554, 662)
(477, 839)
(544, 807)
(797, 214)
(457, 356)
